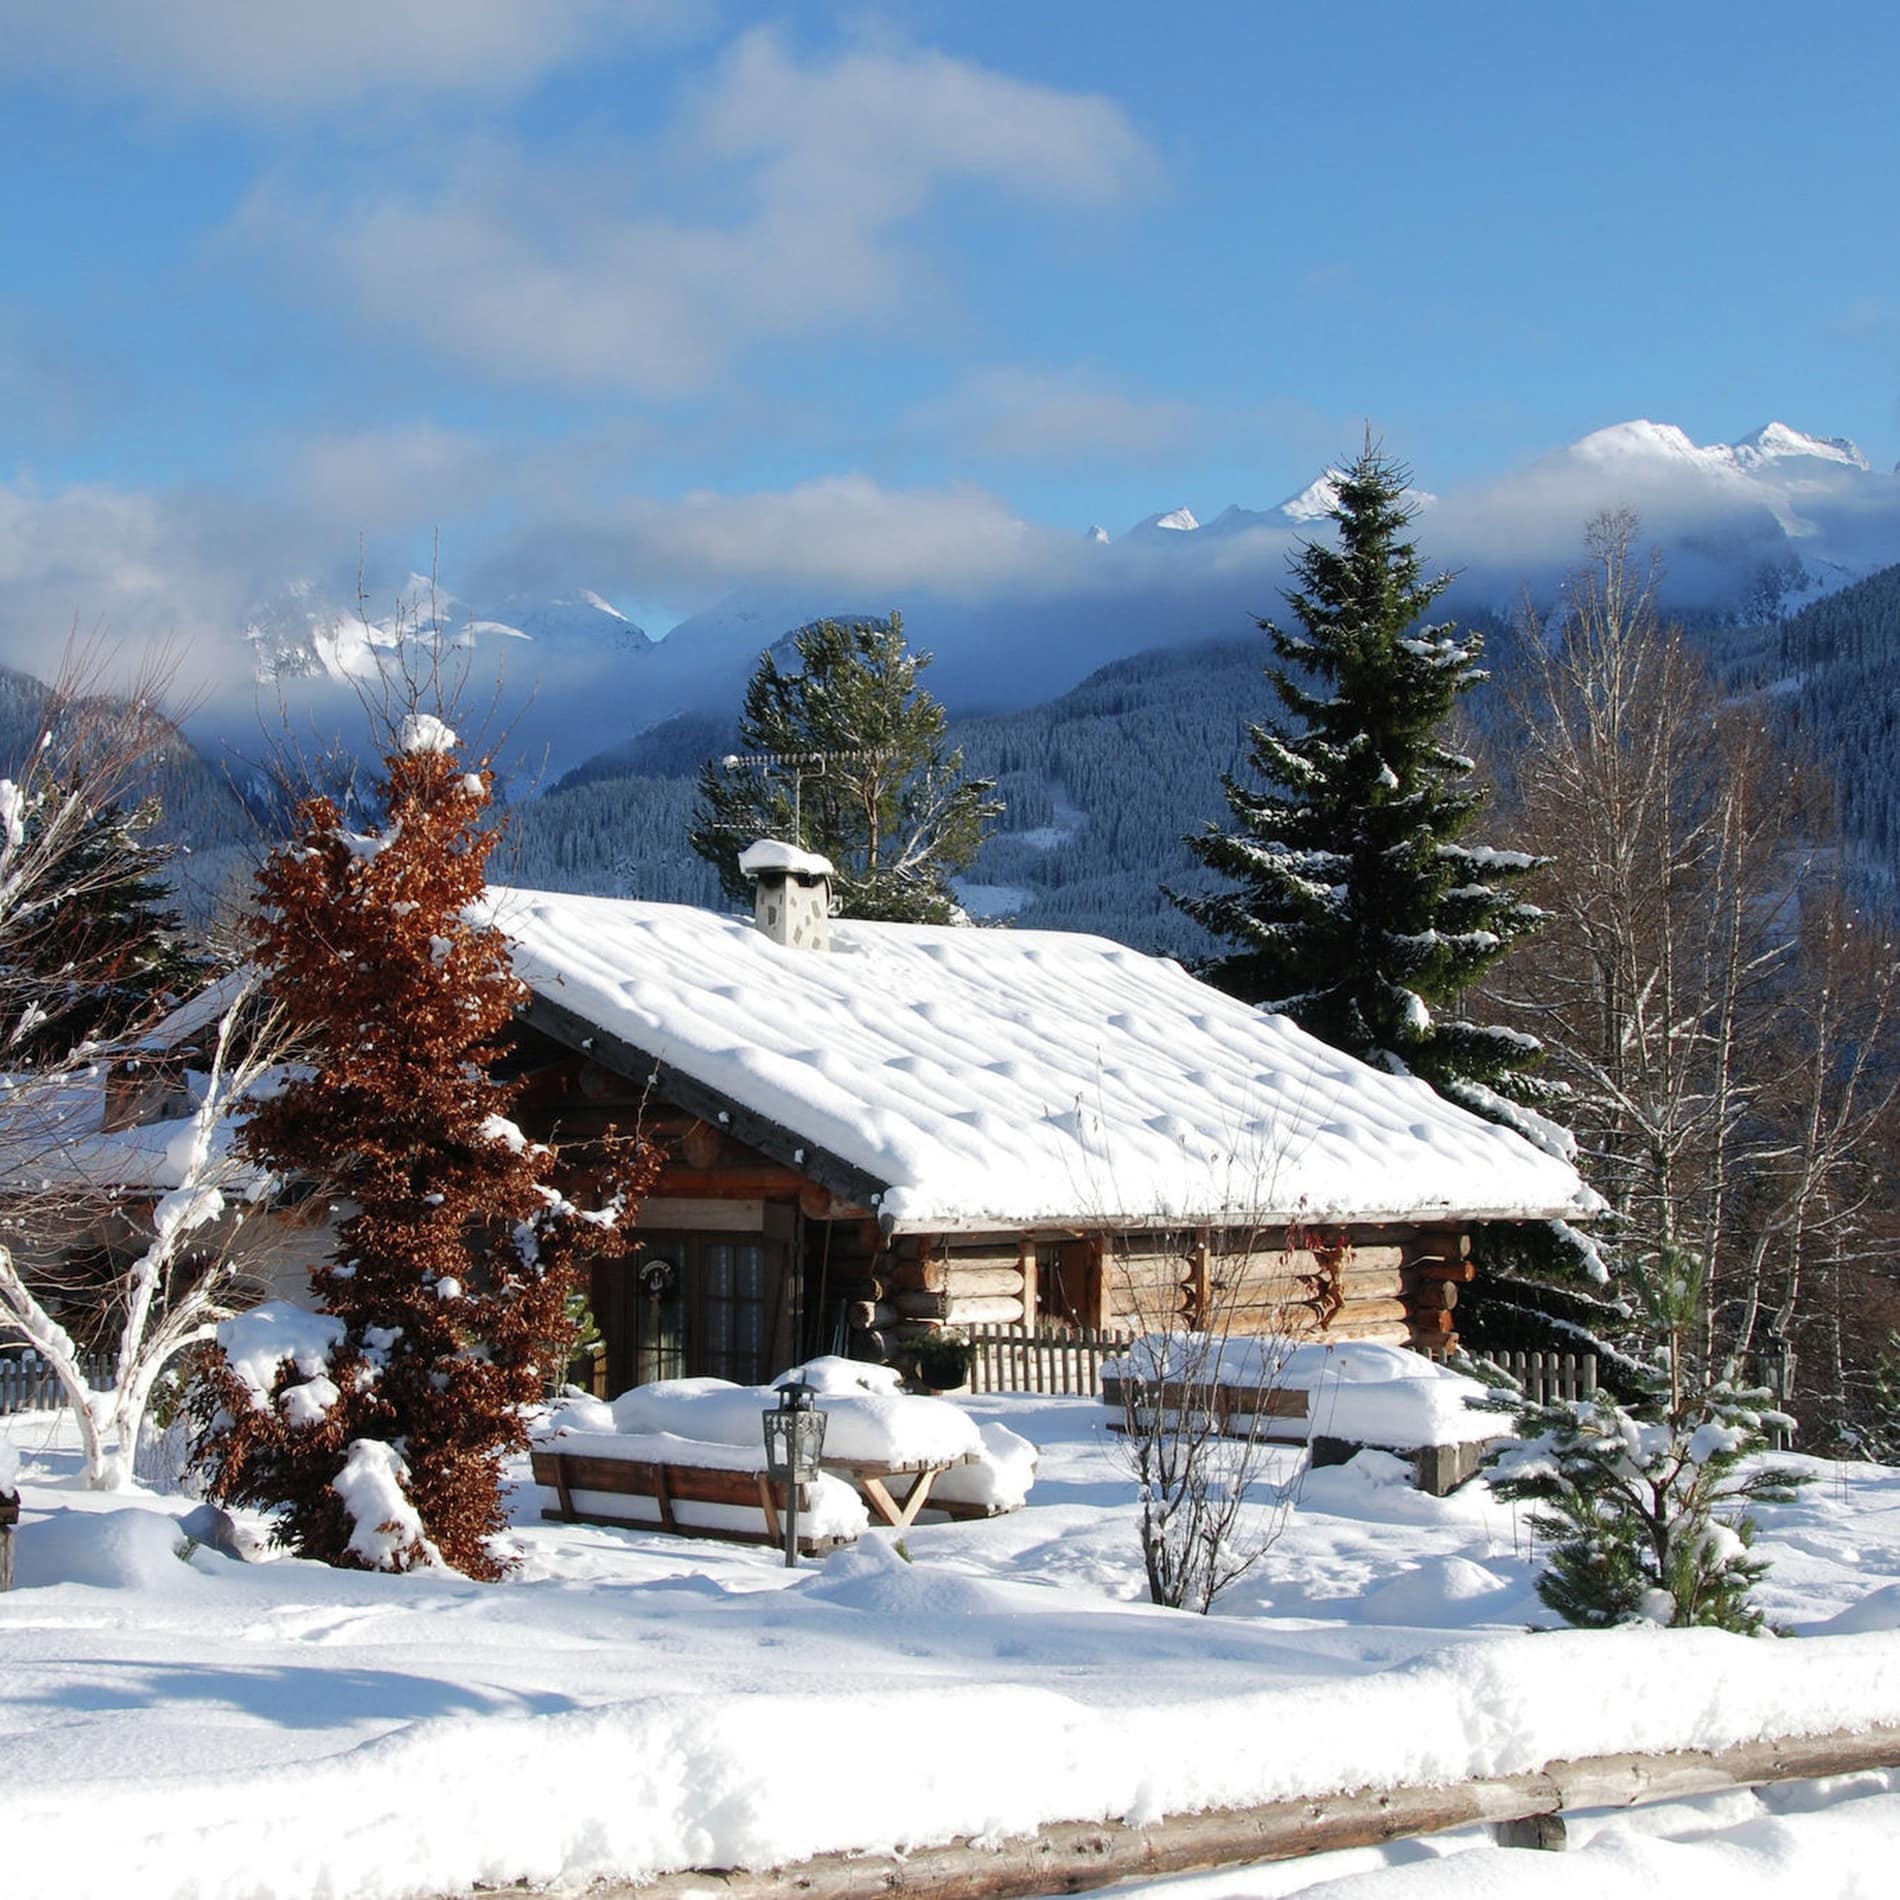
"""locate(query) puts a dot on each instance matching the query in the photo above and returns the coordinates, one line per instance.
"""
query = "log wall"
(1393, 1285)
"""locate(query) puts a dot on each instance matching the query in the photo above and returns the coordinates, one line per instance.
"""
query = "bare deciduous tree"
(71, 818)
(1201, 1414)
(1703, 987)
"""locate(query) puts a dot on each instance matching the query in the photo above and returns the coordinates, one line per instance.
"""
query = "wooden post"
(1031, 1292)
(9, 1516)
(1198, 1289)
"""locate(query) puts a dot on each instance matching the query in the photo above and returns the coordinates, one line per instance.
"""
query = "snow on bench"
(690, 1454)
(1336, 1398)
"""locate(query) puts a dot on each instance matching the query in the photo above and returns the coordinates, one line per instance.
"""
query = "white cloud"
(114, 566)
(390, 479)
(877, 129)
(584, 272)
(302, 59)
(840, 530)
(1058, 417)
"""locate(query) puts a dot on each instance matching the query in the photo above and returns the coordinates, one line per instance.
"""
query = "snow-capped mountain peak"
(1775, 441)
(1170, 521)
(1315, 502)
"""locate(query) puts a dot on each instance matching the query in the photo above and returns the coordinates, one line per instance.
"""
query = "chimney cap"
(773, 854)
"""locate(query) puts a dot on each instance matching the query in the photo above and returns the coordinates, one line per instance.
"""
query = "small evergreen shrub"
(1645, 1504)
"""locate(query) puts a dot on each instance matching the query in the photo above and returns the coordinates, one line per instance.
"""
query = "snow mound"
(875, 1579)
(1878, 1610)
(999, 1480)
(129, 1549)
(830, 1375)
(774, 854)
(1438, 1593)
(868, 1419)
(9, 1467)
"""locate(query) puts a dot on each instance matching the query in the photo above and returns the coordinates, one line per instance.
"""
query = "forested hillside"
(1836, 695)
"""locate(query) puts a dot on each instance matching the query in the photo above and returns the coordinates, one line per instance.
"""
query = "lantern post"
(794, 1444)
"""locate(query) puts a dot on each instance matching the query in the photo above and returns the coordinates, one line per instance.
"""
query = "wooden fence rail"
(1012, 1359)
(1072, 1856)
(30, 1385)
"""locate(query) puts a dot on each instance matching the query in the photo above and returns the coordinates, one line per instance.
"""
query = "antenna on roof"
(801, 765)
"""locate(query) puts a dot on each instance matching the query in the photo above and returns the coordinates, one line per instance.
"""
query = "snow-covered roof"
(1019, 1078)
(774, 854)
(53, 1136)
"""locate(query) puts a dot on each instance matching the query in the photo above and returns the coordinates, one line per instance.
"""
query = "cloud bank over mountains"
(1014, 610)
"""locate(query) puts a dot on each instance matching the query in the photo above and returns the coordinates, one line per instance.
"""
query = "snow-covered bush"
(1645, 1506)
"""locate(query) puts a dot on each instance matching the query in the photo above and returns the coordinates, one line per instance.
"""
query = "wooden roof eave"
(1055, 1225)
(843, 1180)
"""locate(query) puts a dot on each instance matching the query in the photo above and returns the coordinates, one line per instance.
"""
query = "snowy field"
(632, 1703)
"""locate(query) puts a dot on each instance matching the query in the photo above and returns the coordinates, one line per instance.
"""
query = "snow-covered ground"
(631, 1703)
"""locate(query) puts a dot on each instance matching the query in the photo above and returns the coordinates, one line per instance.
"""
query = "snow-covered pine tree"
(110, 952)
(880, 794)
(1645, 1505)
(1356, 906)
(381, 1429)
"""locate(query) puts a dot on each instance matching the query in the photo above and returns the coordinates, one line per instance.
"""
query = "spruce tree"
(446, 1309)
(866, 776)
(1354, 905)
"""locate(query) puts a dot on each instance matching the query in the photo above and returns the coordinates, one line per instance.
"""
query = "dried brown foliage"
(452, 1275)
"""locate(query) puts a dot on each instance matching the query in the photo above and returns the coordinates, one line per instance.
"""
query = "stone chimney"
(791, 893)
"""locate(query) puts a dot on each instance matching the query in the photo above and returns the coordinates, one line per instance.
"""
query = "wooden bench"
(1275, 1414)
(670, 1486)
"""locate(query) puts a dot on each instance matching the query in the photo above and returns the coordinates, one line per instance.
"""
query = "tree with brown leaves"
(381, 1434)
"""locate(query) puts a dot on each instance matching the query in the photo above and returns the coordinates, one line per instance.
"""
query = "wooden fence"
(30, 1385)
(1012, 1359)
(1545, 1376)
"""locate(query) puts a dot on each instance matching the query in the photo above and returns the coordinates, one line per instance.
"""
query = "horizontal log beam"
(728, 1183)
(1072, 1856)
(1368, 1313)
(957, 1276)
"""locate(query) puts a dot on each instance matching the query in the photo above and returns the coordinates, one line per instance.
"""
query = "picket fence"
(1545, 1376)
(30, 1385)
(1013, 1359)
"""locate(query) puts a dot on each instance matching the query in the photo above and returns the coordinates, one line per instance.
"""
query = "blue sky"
(628, 284)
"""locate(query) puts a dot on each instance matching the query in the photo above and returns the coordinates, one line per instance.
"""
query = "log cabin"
(876, 1132)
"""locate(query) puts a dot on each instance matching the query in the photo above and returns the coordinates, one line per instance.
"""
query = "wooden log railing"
(1072, 1856)
(1013, 1359)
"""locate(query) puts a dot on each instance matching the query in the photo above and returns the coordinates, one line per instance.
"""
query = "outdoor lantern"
(794, 1443)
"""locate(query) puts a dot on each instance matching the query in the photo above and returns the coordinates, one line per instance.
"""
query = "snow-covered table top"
(1008, 1078)
(1357, 1390)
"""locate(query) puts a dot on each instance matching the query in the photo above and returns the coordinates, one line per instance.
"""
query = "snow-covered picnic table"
(694, 1450)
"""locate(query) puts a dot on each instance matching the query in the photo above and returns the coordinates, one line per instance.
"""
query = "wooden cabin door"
(721, 1306)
